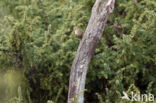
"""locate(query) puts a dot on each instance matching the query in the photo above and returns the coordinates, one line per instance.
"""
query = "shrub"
(37, 37)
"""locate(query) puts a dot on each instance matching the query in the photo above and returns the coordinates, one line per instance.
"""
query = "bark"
(92, 35)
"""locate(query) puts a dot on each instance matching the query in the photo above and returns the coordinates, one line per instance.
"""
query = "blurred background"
(38, 45)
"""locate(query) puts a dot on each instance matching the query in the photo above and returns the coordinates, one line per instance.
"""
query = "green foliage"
(37, 36)
(13, 87)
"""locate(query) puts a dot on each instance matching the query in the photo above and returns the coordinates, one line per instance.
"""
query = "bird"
(78, 32)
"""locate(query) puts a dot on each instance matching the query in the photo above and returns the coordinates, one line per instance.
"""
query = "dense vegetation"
(37, 40)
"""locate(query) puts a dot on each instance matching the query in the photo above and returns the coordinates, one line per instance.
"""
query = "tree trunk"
(92, 35)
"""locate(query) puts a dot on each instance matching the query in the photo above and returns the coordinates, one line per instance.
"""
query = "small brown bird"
(78, 32)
